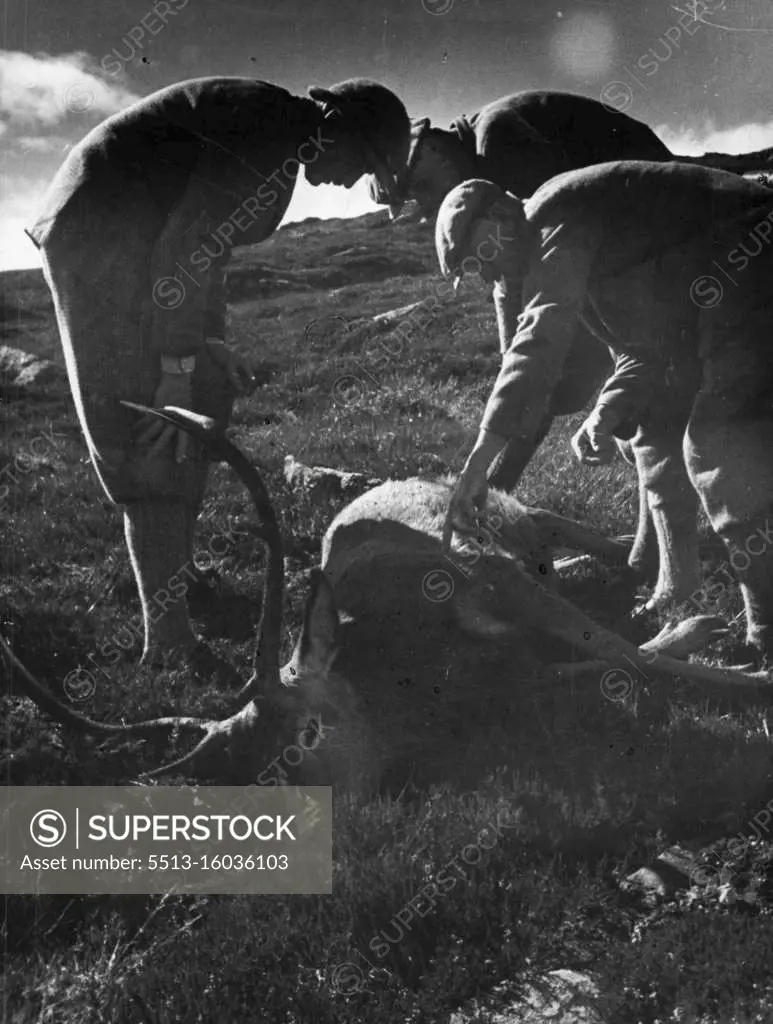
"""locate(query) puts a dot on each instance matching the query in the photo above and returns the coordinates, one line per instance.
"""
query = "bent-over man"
(519, 142)
(135, 234)
(477, 213)
(674, 259)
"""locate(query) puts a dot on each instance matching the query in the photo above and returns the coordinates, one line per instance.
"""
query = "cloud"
(40, 91)
(42, 144)
(18, 203)
(47, 103)
(745, 138)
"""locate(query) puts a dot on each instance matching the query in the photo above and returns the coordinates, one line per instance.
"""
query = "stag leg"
(557, 531)
(549, 613)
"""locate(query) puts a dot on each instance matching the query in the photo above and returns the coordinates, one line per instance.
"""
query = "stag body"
(407, 657)
(391, 670)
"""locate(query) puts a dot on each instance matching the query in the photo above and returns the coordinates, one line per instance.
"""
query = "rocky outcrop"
(23, 375)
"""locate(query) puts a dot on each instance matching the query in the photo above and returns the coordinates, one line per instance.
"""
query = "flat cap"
(461, 208)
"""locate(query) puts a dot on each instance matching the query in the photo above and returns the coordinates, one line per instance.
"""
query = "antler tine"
(223, 733)
(48, 702)
(61, 713)
(268, 649)
(223, 736)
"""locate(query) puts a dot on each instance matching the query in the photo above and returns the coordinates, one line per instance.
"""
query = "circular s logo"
(617, 96)
(80, 96)
(706, 291)
(168, 292)
(437, 586)
(347, 979)
(617, 684)
(79, 685)
(48, 828)
(348, 390)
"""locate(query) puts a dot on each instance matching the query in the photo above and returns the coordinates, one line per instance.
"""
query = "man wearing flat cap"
(135, 234)
(519, 142)
(639, 244)
(473, 213)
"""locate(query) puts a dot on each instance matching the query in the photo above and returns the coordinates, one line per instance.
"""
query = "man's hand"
(468, 499)
(237, 369)
(174, 389)
(593, 444)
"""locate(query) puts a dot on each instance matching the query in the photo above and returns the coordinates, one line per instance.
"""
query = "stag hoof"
(754, 658)
(679, 640)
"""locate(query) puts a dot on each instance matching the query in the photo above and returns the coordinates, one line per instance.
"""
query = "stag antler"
(267, 652)
(220, 733)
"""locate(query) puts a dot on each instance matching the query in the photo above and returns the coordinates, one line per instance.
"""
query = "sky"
(697, 71)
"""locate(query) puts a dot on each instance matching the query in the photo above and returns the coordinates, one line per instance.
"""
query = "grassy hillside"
(590, 790)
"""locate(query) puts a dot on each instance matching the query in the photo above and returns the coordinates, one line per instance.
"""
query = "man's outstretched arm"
(555, 289)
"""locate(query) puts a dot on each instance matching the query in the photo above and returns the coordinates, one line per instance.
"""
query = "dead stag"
(384, 602)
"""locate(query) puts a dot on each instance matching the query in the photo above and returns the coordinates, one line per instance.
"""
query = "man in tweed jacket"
(676, 261)
(135, 234)
(519, 142)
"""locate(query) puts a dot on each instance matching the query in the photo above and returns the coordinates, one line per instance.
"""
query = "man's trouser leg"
(157, 536)
(160, 532)
(100, 295)
(643, 558)
(730, 461)
(673, 509)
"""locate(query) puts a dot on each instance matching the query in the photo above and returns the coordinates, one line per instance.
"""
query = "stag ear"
(318, 641)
